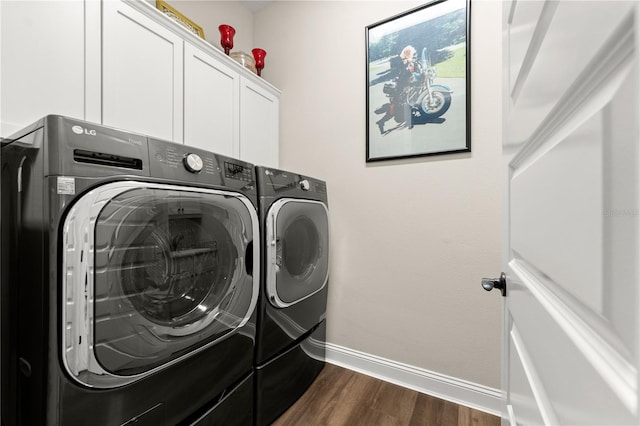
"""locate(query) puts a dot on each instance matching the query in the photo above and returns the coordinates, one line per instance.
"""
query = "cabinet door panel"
(42, 59)
(141, 74)
(211, 94)
(259, 125)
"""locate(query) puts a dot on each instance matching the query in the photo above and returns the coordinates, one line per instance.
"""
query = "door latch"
(499, 283)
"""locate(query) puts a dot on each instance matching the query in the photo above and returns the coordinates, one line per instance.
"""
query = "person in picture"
(410, 73)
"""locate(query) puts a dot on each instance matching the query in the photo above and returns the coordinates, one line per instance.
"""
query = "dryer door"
(153, 273)
(297, 250)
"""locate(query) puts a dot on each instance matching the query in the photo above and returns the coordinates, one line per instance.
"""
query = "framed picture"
(180, 18)
(418, 82)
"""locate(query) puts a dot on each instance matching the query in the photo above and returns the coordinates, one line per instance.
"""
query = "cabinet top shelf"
(165, 21)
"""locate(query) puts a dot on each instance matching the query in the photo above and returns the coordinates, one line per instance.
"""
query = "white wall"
(410, 239)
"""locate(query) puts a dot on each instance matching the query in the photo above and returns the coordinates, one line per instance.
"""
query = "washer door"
(152, 274)
(297, 250)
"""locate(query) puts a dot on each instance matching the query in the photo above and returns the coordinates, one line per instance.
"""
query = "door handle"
(499, 283)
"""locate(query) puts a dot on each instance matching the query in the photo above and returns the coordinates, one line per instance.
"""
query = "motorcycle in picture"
(420, 97)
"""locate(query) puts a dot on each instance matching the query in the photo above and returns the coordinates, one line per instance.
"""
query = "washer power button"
(193, 163)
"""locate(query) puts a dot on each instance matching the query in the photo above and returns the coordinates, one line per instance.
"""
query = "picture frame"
(172, 13)
(418, 82)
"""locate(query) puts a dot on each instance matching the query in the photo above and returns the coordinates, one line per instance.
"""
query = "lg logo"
(79, 130)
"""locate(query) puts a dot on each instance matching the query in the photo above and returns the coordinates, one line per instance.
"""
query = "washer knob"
(304, 185)
(193, 163)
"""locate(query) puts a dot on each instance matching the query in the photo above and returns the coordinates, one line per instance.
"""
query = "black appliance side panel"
(24, 268)
(8, 293)
(281, 382)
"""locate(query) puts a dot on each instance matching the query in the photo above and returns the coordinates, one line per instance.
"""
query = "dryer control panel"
(278, 183)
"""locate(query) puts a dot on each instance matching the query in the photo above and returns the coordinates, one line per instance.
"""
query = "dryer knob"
(193, 163)
(304, 185)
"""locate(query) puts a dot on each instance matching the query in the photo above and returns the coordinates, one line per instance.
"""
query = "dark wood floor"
(344, 397)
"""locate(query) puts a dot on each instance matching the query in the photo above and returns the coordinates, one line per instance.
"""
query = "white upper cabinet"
(141, 73)
(211, 98)
(259, 125)
(42, 59)
(190, 91)
(126, 65)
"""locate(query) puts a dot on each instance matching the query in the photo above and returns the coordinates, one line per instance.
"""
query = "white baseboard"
(449, 388)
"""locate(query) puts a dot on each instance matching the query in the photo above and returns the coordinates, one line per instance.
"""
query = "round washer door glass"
(298, 255)
(171, 272)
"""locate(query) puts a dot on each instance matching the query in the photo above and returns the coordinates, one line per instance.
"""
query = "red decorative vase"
(258, 55)
(226, 37)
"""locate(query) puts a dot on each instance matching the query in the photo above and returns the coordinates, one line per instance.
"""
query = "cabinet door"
(211, 103)
(141, 73)
(259, 125)
(42, 61)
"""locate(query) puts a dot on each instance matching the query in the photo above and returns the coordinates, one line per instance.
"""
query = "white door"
(571, 145)
(211, 103)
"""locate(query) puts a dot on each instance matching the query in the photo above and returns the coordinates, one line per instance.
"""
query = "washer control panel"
(182, 163)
